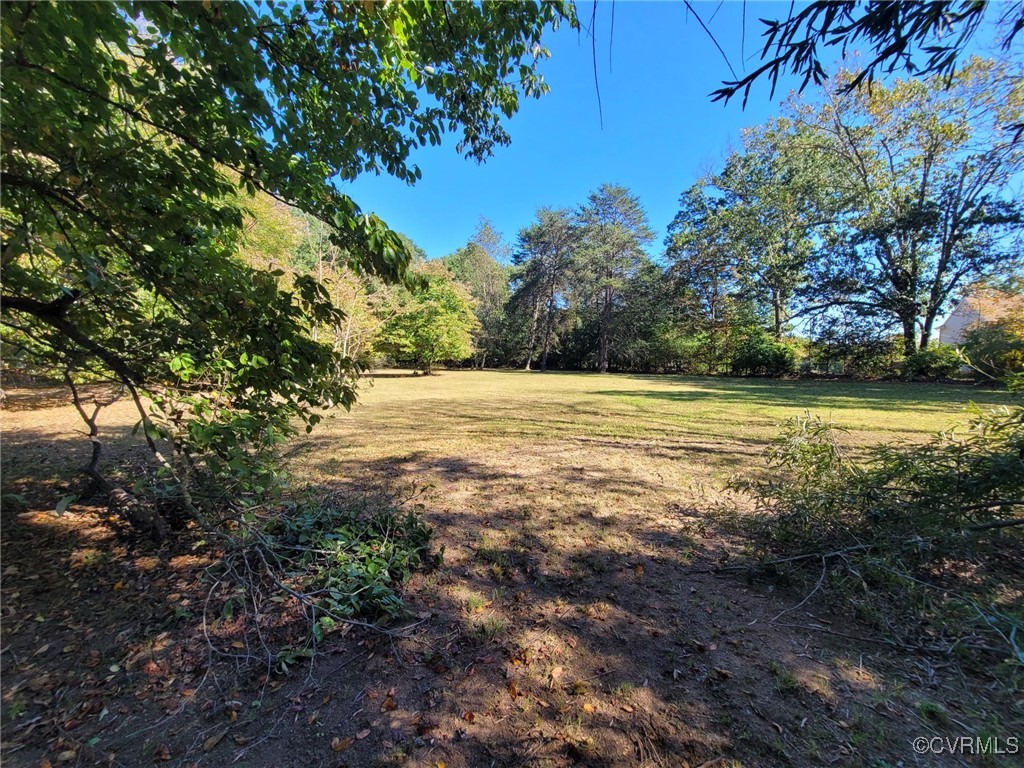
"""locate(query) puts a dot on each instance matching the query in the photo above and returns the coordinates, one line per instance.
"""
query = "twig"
(821, 580)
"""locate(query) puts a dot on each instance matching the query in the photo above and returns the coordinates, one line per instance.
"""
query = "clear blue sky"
(660, 132)
(660, 128)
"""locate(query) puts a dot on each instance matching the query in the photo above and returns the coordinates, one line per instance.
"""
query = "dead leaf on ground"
(363, 734)
(213, 741)
(339, 744)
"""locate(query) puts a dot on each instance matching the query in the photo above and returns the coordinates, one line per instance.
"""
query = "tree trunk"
(548, 321)
(779, 314)
(909, 335)
(606, 321)
(533, 334)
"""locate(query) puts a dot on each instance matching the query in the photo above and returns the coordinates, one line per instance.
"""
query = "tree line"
(832, 237)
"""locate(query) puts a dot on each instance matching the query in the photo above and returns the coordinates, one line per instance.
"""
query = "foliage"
(614, 229)
(488, 283)
(354, 557)
(544, 257)
(893, 530)
(336, 559)
(435, 322)
(130, 130)
(760, 355)
(894, 33)
(939, 361)
(928, 167)
(997, 348)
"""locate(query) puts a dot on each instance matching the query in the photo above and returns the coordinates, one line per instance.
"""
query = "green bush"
(997, 348)
(761, 355)
(915, 539)
(936, 362)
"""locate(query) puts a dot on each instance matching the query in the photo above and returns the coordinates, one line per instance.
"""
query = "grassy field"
(718, 426)
(570, 623)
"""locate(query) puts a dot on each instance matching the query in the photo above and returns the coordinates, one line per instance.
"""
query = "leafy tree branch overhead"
(129, 126)
(919, 38)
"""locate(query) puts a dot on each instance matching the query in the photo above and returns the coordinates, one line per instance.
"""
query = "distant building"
(984, 306)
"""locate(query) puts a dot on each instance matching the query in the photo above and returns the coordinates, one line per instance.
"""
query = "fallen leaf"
(163, 753)
(213, 741)
(238, 644)
(241, 740)
(363, 734)
(339, 744)
(468, 716)
(627, 708)
(388, 705)
(589, 708)
(66, 756)
(441, 764)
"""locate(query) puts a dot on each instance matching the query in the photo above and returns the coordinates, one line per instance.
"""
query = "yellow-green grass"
(609, 440)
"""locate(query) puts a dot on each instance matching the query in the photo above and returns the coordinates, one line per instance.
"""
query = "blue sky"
(660, 128)
(660, 131)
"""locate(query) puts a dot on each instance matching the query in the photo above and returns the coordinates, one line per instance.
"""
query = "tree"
(544, 257)
(435, 322)
(614, 230)
(128, 129)
(704, 264)
(926, 165)
(487, 280)
(776, 196)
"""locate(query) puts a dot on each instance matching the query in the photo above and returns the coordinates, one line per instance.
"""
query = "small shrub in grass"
(920, 540)
(761, 355)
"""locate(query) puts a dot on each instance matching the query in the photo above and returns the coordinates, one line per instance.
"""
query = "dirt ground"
(569, 624)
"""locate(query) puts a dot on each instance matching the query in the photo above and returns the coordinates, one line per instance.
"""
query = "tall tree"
(488, 283)
(775, 198)
(927, 166)
(705, 262)
(614, 228)
(544, 256)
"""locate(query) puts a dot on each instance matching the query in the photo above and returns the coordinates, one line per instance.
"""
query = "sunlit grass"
(610, 429)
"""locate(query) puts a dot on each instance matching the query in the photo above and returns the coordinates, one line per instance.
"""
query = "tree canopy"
(129, 130)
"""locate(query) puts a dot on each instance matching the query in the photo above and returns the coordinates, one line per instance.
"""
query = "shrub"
(761, 355)
(917, 539)
(936, 362)
(996, 348)
(862, 357)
